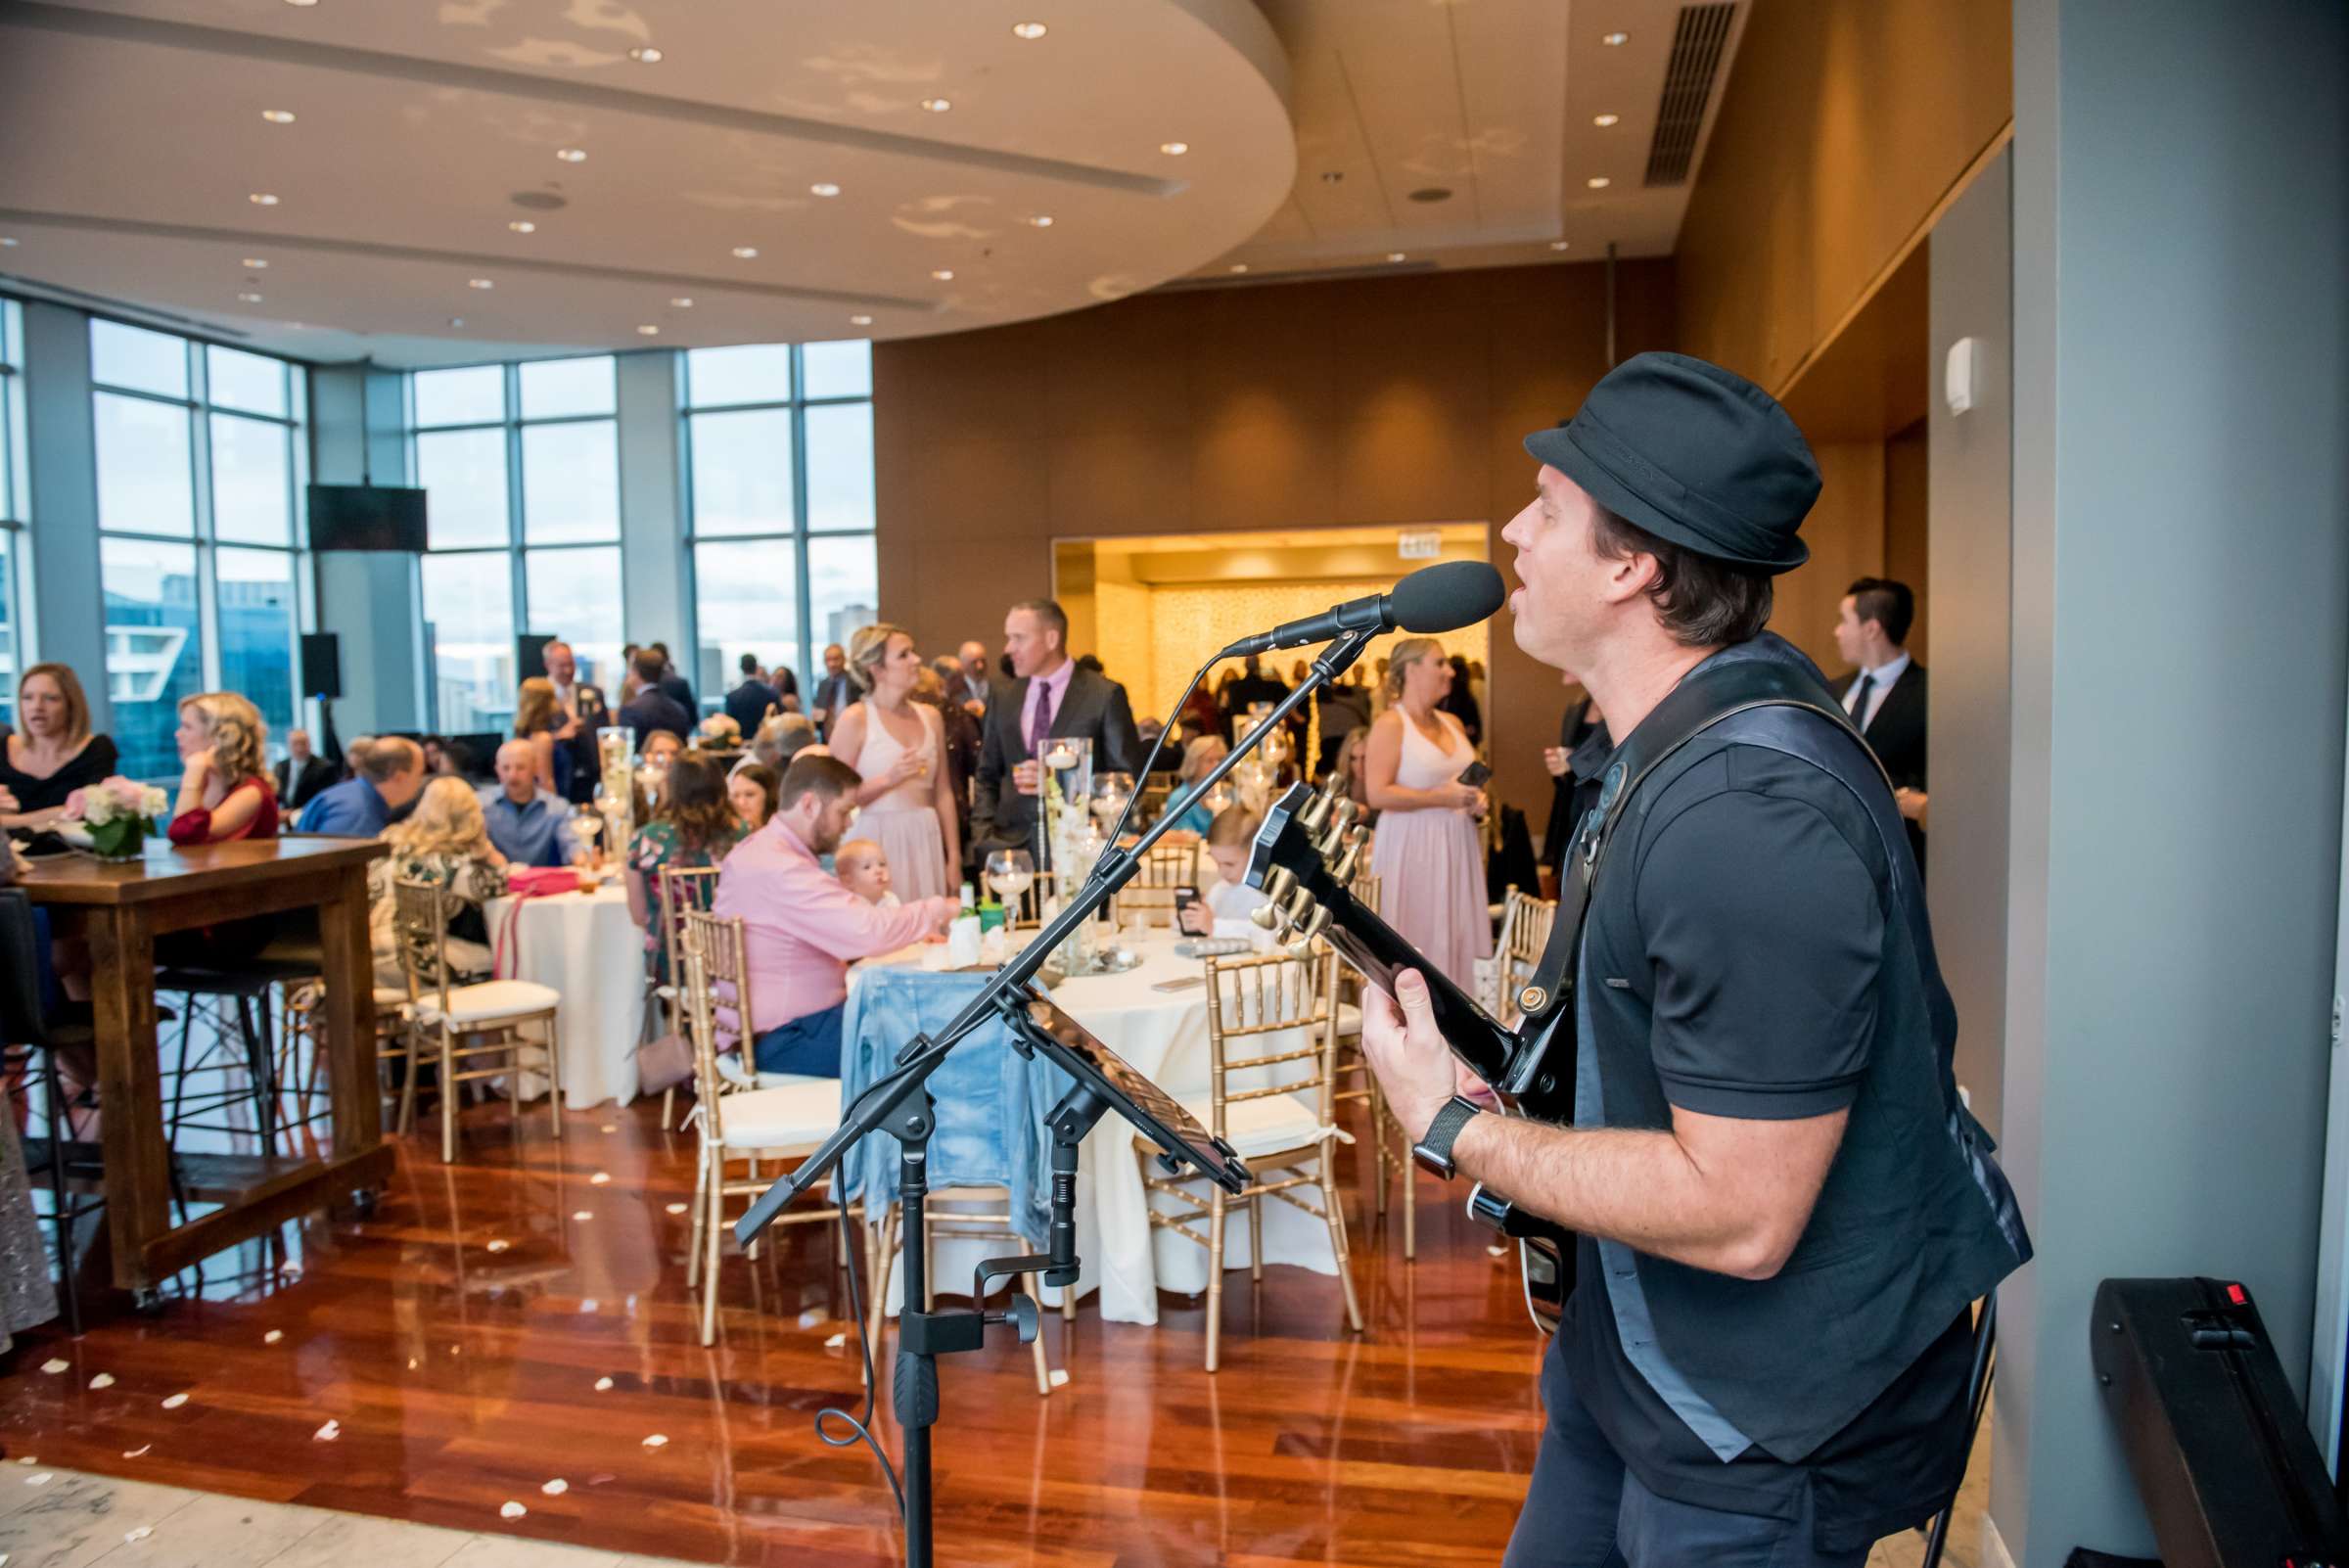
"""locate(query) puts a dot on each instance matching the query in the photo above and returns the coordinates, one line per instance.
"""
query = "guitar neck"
(1373, 947)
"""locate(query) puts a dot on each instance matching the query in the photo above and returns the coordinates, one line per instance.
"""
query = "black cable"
(860, 1428)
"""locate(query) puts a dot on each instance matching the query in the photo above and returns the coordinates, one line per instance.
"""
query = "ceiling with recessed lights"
(446, 181)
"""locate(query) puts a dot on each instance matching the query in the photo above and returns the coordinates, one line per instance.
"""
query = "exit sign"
(1419, 544)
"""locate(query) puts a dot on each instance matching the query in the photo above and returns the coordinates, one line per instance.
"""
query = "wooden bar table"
(119, 909)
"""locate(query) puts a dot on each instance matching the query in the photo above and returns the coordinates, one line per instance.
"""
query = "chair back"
(24, 1012)
(420, 933)
(1151, 893)
(1153, 804)
(1524, 935)
(1269, 1025)
(681, 888)
(714, 981)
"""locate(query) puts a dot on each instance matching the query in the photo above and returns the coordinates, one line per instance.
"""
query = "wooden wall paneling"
(1846, 534)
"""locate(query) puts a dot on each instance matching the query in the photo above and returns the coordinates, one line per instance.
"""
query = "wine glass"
(1011, 873)
(1110, 792)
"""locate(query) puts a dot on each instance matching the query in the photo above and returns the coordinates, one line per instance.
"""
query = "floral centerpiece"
(720, 733)
(115, 815)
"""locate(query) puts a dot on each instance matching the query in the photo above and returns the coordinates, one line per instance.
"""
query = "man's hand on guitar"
(1414, 1067)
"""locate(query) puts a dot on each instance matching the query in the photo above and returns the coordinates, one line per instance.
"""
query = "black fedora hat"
(1694, 454)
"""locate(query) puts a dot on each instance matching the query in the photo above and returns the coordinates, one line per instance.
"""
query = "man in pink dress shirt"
(801, 928)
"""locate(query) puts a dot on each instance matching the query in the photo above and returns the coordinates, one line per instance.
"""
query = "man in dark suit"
(651, 708)
(672, 684)
(1047, 697)
(1886, 695)
(748, 703)
(832, 693)
(972, 683)
(584, 711)
(304, 772)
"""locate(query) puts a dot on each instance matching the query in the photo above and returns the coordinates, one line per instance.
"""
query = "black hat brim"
(1558, 447)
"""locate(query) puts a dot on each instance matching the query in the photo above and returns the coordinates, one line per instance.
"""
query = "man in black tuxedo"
(672, 684)
(1886, 695)
(1047, 697)
(304, 772)
(748, 703)
(648, 707)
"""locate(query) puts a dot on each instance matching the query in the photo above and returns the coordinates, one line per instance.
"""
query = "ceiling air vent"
(1699, 39)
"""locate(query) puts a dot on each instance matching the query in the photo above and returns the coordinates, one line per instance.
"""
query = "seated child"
(1225, 904)
(862, 867)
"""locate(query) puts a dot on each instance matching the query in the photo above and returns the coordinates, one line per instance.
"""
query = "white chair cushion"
(730, 1068)
(491, 999)
(1269, 1126)
(788, 1118)
(1350, 1021)
(387, 997)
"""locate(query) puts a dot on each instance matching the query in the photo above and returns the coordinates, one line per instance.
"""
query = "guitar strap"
(1706, 696)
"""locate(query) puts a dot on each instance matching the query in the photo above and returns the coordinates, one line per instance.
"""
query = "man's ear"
(1629, 575)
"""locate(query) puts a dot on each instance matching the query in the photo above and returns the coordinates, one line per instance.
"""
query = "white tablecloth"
(587, 948)
(1164, 1035)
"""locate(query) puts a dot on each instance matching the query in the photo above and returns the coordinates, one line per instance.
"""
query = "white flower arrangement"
(116, 800)
(720, 730)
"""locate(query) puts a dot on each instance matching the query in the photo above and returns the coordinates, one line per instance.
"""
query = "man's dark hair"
(1092, 662)
(661, 648)
(1702, 602)
(649, 666)
(827, 778)
(749, 664)
(1889, 604)
(1049, 612)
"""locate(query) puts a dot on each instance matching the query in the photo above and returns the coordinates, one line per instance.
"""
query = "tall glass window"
(13, 500)
(521, 463)
(779, 440)
(202, 468)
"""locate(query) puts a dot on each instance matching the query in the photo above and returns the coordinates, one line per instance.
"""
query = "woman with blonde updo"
(444, 840)
(899, 746)
(225, 791)
(1427, 855)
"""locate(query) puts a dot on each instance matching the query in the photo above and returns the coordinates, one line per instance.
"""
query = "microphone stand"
(898, 1104)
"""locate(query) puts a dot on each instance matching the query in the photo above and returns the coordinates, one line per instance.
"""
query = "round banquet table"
(1164, 1035)
(586, 946)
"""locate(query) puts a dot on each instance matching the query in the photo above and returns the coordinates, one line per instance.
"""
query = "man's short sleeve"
(1765, 937)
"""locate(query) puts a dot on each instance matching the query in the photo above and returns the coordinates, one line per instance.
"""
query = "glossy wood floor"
(458, 1337)
(520, 1319)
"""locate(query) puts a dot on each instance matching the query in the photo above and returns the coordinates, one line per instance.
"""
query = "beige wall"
(1845, 123)
(1392, 400)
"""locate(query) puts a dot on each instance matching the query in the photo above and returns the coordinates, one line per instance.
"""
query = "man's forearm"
(1637, 1187)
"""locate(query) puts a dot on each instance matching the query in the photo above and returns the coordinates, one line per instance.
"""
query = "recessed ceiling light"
(861, 321)
(1616, 40)
(1029, 29)
(572, 154)
(249, 298)
(1174, 149)
(1602, 121)
(278, 117)
(823, 188)
(648, 330)
(645, 55)
(1599, 182)
(303, 5)
(522, 226)
(1239, 266)
(456, 321)
(253, 264)
(261, 198)
(681, 302)
(1393, 256)
(1041, 220)
(745, 252)
(1558, 244)
(937, 106)
(1333, 176)
(8, 242)
(479, 283)
(943, 274)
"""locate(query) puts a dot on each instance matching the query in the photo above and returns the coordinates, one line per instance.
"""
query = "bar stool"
(33, 1040)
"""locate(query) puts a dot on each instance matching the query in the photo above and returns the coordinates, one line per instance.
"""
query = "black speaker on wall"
(321, 664)
(529, 655)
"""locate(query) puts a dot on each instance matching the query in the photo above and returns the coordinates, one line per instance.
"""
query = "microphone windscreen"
(1447, 596)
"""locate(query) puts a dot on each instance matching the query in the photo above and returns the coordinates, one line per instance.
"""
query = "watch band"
(1434, 1150)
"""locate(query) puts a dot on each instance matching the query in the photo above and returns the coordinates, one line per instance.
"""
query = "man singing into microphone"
(1781, 1229)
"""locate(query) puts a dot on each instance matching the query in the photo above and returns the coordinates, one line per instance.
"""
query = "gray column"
(64, 609)
(2181, 658)
(654, 577)
(372, 601)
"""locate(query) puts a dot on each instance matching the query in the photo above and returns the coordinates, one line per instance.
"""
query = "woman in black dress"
(52, 752)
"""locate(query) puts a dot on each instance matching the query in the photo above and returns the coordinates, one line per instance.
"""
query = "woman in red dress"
(224, 789)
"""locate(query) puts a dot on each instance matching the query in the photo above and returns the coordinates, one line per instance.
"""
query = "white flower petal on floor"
(836, 1341)
(137, 1453)
(54, 1367)
(273, 1336)
(601, 1178)
(555, 1488)
(103, 1380)
(676, 1208)
(327, 1433)
(511, 1510)
(499, 1246)
(582, 1216)
(175, 1401)
(603, 1385)
(131, 1538)
(656, 1441)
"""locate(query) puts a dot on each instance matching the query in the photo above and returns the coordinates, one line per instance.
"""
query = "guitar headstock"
(1311, 843)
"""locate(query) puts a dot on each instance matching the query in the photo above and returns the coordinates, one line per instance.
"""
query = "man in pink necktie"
(801, 928)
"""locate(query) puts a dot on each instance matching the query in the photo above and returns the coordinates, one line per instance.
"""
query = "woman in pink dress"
(1427, 855)
(898, 747)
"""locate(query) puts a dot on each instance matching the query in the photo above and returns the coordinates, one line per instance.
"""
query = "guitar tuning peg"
(1317, 924)
(1266, 915)
(1358, 838)
(1278, 883)
(1299, 906)
(1347, 810)
(1343, 870)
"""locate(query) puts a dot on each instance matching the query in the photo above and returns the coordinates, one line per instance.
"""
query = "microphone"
(1437, 598)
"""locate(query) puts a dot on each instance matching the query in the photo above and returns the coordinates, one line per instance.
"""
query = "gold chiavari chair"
(680, 888)
(1156, 791)
(787, 1122)
(1269, 1097)
(1151, 893)
(1389, 1149)
(473, 1031)
(1524, 934)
